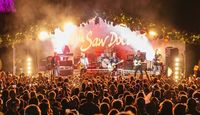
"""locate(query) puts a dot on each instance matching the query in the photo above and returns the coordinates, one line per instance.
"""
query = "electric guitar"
(137, 62)
(105, 63)
(111, 67)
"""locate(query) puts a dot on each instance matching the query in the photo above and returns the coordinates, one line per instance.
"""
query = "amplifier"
(66, 72)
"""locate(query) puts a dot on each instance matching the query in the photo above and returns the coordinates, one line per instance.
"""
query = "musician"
(101, 57)
(55, 64)
(197, 70)
(157, 64)
(84, 63)
(137, 63)
(104, 61)
(66, 49)
(114, 59)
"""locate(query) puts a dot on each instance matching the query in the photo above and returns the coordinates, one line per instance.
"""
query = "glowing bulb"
(176, 64)
(29, 59)
(177, 59)
(176, 73)
(29, 63)
(152, 33)
(169, 71)
(176, 77)
(29, 71)
(176, 68)
(29, 67)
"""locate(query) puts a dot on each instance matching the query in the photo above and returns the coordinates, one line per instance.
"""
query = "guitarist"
(114, 60)
(55, 62)
(137, 63)
(157, 65)
(83, 63)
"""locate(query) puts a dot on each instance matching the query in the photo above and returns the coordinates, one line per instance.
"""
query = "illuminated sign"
(108, 41)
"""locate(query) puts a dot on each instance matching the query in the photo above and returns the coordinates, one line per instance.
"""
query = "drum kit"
(106, 64)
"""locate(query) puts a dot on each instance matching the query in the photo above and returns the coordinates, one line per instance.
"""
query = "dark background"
(182, 15)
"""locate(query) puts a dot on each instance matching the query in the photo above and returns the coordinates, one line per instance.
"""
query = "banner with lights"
(104, 37)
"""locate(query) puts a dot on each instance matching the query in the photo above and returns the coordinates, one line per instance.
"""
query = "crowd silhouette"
(97, 94)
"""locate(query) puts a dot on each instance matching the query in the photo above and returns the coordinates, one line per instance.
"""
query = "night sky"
(183, 15)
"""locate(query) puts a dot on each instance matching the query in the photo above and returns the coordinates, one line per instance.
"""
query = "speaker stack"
(170, 54)
(66, 66)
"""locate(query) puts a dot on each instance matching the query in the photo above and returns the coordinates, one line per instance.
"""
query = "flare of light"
(176, 77)
(152, 33)
(176, 68)
(29, 59)
(135, 39)
(176, 72)
(74, 35)
(29, 63)
(177, 59)
(169, 72)
(177, 64)
(29, 71)
(29, 67)
(43, 35)
(69, 27)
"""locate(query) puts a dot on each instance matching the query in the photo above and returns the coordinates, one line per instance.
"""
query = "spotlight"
(29, 71)
(176, 68)
(43, 35)
(169, 72)
(69, 27)
(29, 59)
(29, 67)
(177, 59)
(176, 77)
(176, 72)
(177, 64)
(152, 33)
(29, 63)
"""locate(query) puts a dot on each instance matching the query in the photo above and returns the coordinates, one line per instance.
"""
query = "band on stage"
(111, 62)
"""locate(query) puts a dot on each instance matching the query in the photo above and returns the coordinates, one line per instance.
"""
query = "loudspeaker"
(66, 63)
(130, 57)
(128, 64)
(170, 54)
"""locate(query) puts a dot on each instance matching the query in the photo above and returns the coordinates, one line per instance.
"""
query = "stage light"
(176, 72)
(177, 64)
(29, 59)
(28, 63)
(29, 67)
(43, 35)
(176, 68)
(152, 33)
(177, 59)
(69, 27)
(169, 72)
(176, 77)
(29, 72)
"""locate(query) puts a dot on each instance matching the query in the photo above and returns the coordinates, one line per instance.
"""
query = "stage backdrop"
(103, 37)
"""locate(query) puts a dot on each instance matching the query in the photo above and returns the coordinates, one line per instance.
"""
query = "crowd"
(97, 94)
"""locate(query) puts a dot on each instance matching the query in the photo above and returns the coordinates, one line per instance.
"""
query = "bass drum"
(105, 63)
